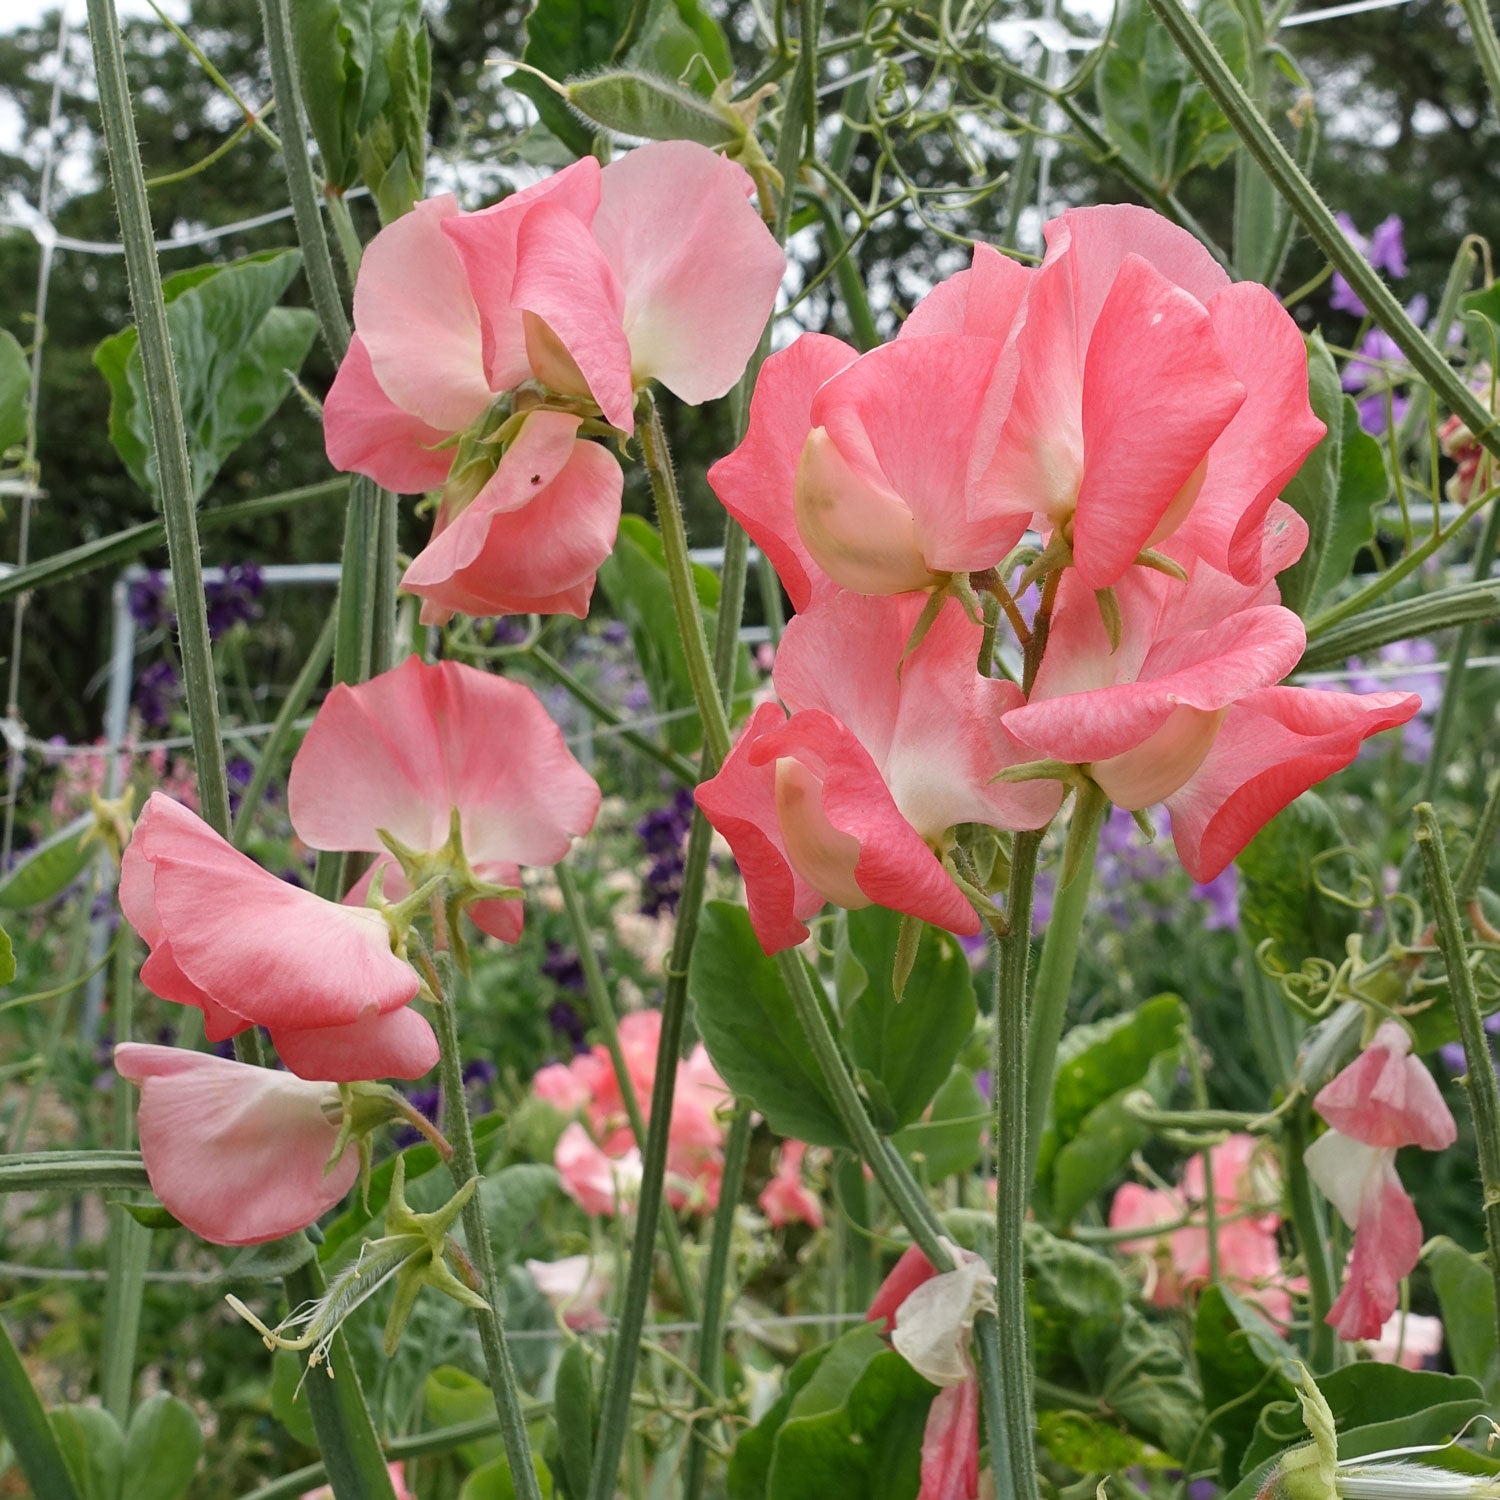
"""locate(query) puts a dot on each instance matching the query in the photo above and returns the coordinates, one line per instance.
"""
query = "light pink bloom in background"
(398, 1483)
(1415, 1337)
(576, 1287)
(1145, 389)
(1386, 1097)
(248, 949)
(786, 1198)
(239, 1154)
(401, 751)
(599, 1184)
(847, 800)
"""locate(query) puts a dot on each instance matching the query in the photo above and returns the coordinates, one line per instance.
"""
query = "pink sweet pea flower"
(1185, 711)
(561, 1088)
(398, 1483)
(576, 1287)
(1145, 389)
(1386, 1097)
(239, 1154)
(248, 949)
(786, 1198)
(849, 798)
(597, 1183)
(400, 752)
(1408, 1339)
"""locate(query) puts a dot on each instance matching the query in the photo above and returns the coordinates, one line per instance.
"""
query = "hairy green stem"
(462, 1166)
(1480, 1083)
(1311, 1227)
(1423, 615)
(1486, 44)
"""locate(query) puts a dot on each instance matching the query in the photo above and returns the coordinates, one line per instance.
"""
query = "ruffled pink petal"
(1273, 746)
(905, 1277)
(1386, 1097)
(561, 1088)
(1268, 438)
(486, 244)
(786, 1198)
(367, 433)
(537, 532)
(1157, 392)
(271, 953)
(894, 866)
(950, 1444)
(740, 801)
(982, 302)
(698, 268)
(415, 312)
(400, 1044)
(398, 752)
(236, 1153)
(564, 280)
(597, 1183)
(755, 482)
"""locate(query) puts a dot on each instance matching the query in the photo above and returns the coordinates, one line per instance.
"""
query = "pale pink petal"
(486, 244)
(367, 433)
(399, 1044)
(415, 312)
(1273, 746)
(786, 1198)
(950, 1445)
(982, 302)
(1157, 392)
(698, 268)
(1415, 1337)
(597, 1183)
(1135, 1206)
(576, 1287)
(561, 1088)
(755, 482)
(537, 532)
(1386, 1097)
(237, 1153)
(564, 280)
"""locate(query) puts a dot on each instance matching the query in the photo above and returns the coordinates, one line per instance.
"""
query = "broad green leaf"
(512, 1199)
(7, 959)
(1363, 488)
(573, 1399)
(237, 354)
(1466, 1294)
(1279, 898)
(1243, 1364)
(750, 1460)
(288, 1404)
(950, 1139)
(855, 1429)
(494, 1482)
(911, 1044)
(1087, 1443)
(271, 1261)
(1313, 490)
(682, 42)
(15, 392)
(93, 1448)
(451, 1396)
(162, 1445)
(566, 39)
(48, 870)
(750, 1028)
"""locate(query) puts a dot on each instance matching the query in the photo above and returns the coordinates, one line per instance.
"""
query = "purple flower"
(563, 967)
(1221, 897)
(1377, 366)
(157, 691)
(148, 602)
(1385, 250)
(1453, 1058)
(1404, 667)
(234, 599)
(564, 1019)
(508, 630)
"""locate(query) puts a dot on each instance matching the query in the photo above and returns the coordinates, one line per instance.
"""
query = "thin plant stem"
(1480, 1082)
(464, 1165)
(1311, 1226)
(26, 1427)
(1485, 832)
(1486, 45)
(344, 232)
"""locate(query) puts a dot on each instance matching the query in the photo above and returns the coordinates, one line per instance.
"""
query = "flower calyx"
(363, 1108)
(113, 822)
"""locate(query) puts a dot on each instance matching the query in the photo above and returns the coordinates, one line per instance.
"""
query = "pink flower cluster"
(1247, 1192)
(1383, 1100)
(1140, 413)
(598, 1157)
(488, 344)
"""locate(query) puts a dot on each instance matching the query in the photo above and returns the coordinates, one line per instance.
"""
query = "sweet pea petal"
(950, 1444)
(909, 1272)
(399, 1044)
(367, 433)
(982, 302)
(1386, 1097)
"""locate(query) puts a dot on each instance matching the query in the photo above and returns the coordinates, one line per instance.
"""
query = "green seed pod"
(640, 104)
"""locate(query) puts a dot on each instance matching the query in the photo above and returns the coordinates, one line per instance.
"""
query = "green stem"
(168, 434)
(1481, 1084)
(1054, 975)
(1485, 832)
(1319, 222)
(71, 1171)
(26, 1427)
(799, 115)
(603, 1007)
(463, 1165)
(1012, 1446)
(1423, 615)
(1311, 1226)
(349, 243)
(1486, 44)
(710, 1360)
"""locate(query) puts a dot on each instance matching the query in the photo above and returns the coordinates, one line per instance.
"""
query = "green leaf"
(1466, 1295)
(270, 1261)
(1363, 488)
(1313, 490)
(750, 1028)
(566, 39)
(152, 1216)
(93, 1448)
(951, 1139)
(855, 1428)
(451, 1396)
(1243, 1365)
(640, 104)
(911, 1044)
(682, 42)
(494, 1482)
(1279, 898)
(287, 1403)
(7, 959)
(236, 352)
(574, 1406)
(635, 579)
(512, 1199)
(15, 392)
(750, 1460)
(49, 869)
(162, 1445)
(1087, 1443)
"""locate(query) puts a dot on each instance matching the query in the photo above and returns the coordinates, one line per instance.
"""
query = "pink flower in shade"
(786, 1198)
(248, 949)
(849, 798)
(239, 1154)
(398, 1483)
(597, 1183)
(576, 1287)
(1185, 711)
(930, 1317)
(532, 539)
(400, 752)
(1146, 393)
(561, 1088)
(1409, 1339)
(1383, 1100)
